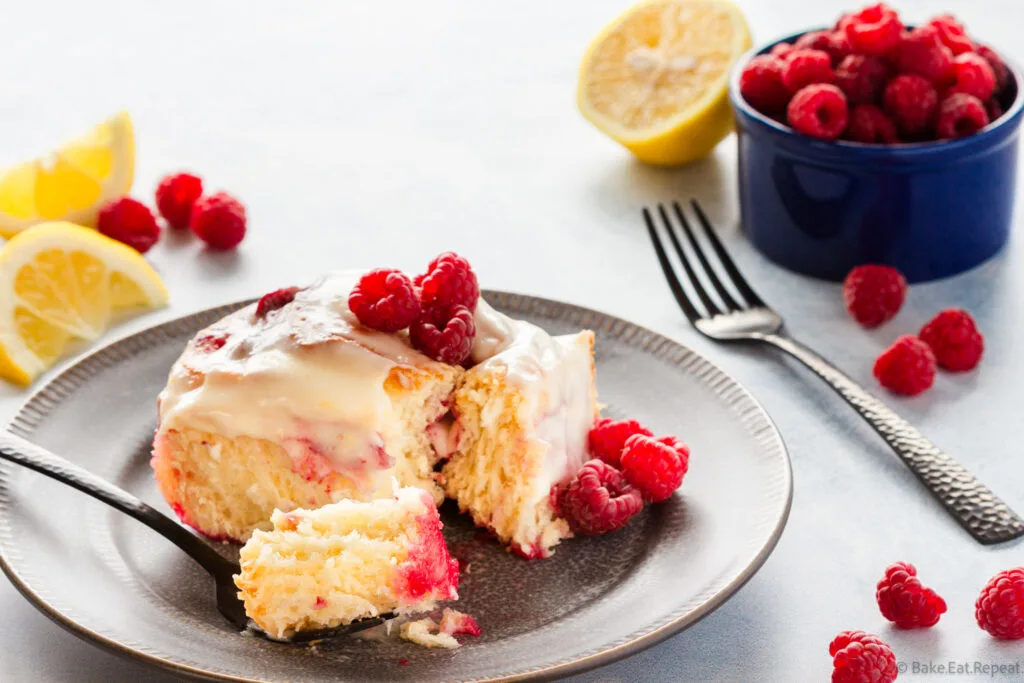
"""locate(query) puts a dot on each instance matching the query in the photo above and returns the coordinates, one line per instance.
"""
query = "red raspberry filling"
(904, 601)
(955, 340)
(608, 437)
(384, 299)
(130, 222)
(912, 103)
(804, 67)
(653, 466)
(862, 78)
(960, 115)
(761, 84)
(874, 30)
(819, 110)
(449, 281)
(444, 334)
(859, 657)
(211, 341)
(598, 499)
(275, 300)
(219, 220)
(971, 74)
(874, 294)
(999, 609)
(907, 367)
(175, 196)
(869, 124)
(921, 52)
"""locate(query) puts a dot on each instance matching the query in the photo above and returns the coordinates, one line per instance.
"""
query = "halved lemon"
(61, 283)
(72, 183)
(656, 79)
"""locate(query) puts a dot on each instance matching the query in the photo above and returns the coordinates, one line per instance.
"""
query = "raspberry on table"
(781, 50)
(834, 43)
(952, 34)
(954, 339)
(449, 281)
(130, 222)
(874, 30)
(608, 437)
(219, 220)
(907, 367)
(598, 499)
(971, 74)
(859, 657)
(445, 334)
(960, 115)
(921, 52)
(275, 300)
(999, 68)
(870, 124)
(653, 467)
(175, 196)
(384, 299)
(804, 67)
(999, 609)
(912, 103)
(819, 110)
(874, 294)
(761, 84)
(862, 78)
(904, 601)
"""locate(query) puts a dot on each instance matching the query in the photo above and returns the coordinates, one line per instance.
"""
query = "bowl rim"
(991, 133)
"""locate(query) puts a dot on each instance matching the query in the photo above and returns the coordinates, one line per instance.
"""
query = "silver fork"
(985, 517)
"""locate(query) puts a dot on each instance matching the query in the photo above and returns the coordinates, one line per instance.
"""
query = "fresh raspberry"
(761, 84)
(874, 30)
(130, 222)
(859, 657)
(994, 109)
(954, 339)
(1000, 606)
(598, 499)
(445, 334)
(449, 281)
(385, 300)
(999, 68)
(862, 78)
(904, 601)
(175, 196)
(819, 110)
(682, 450)
(874, 294)
(921, 52)
(219, 220)
(781, 50)
(608, 437)
(911, 101)
(834, 43)
(952, 34)
(653, 467)
(275, 300)
(803, 67)
(869, 123)
(211, 341)
(907, 367)
(960, 115)
(971, 74)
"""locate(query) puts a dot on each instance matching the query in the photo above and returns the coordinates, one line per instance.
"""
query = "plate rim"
(579, 664)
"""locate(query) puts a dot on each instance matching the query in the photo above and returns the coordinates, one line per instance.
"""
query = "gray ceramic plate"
(113, 582)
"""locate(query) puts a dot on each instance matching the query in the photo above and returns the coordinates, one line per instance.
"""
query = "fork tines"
(740, 298)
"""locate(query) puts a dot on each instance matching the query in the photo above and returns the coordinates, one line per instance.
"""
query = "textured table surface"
(363, 134)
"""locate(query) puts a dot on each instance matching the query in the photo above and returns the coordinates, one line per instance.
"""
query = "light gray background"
(382, 133)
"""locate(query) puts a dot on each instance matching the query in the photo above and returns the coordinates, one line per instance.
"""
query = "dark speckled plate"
(113, 582)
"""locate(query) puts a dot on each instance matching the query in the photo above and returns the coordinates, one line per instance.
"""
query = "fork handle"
(978, 510)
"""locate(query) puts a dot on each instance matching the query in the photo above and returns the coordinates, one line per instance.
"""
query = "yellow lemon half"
(73, 182)
(656, 79)
(61, 283)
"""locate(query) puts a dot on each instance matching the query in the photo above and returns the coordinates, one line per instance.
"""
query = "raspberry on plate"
(874, 294)
(904, 601)
(130, 222)
(859, 657)
(862, 78)
(834, 43)
(869, 124)
(653, 466)
(385, 300)
(999, 609)
(960, 115)
(907, 367)
(954, 339)
(608, 437)
(275, 300)
(219, 220)
(874, 30)
(761, 84)
(598, 499)
(952, 34)
(175, 196)
(999, 68)
(971, 74)
(921, 52)
(445, 334)
(911, 101)
(819, 110)
(804, 67)
(449, 281)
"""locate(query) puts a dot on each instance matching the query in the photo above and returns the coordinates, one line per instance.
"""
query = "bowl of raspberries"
(877, 141)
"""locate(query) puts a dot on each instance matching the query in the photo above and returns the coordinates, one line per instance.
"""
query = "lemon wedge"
(656, 79)
(72, 183)
(61, 283)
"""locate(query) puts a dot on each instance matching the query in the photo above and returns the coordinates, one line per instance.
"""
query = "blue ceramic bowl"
(930, 209)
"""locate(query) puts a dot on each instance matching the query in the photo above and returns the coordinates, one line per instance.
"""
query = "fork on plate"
(740, 315)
